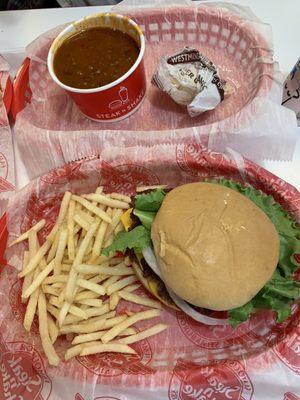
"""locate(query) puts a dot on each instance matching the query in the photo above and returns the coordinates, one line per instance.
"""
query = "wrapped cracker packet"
(190, 79)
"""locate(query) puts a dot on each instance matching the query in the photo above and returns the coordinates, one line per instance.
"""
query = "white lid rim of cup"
(70, 27)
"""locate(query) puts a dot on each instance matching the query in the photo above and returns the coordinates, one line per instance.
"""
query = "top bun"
(216, 249)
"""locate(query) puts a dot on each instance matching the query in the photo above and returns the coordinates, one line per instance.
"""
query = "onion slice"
(150, 258)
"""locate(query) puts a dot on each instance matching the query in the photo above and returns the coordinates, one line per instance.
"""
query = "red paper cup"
(120, 98)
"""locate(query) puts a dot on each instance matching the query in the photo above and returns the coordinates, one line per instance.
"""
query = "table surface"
(19, 28)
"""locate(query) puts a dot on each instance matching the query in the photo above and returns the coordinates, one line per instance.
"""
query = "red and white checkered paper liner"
(259, 360)
(7, 176)
(250, 120)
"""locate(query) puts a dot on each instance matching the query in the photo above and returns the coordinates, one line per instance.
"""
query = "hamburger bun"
(216, 249)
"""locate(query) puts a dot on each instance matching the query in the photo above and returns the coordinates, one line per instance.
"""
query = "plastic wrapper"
(251, 120)
(291, 92)
(7, 176)
(190, 79)
(259, 360)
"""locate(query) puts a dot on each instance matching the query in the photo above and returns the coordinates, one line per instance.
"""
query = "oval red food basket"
(8, 90)
(122, 172)
(243, 57)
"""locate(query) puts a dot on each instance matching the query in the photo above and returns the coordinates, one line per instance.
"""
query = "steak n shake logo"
(125, 178)
(5, 186)
(23, 376)
(219, 381)
(290, 396)
(287, 349)
(196, 160)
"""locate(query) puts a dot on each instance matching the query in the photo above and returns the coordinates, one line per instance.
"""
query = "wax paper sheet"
(259, 360)
(250, 120)
(7, 174)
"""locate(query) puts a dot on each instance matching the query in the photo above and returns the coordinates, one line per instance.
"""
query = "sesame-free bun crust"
(215, 247)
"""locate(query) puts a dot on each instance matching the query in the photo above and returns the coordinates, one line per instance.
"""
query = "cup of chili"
(98, 60)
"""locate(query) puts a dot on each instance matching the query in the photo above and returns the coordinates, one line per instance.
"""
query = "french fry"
(70, 227)
(91, 302)
(36, 228)
(139, 299)
(103, 269)
(34, 262)
(53, 248)
(55, 278)
(86, 294)
(98, 244)
(86, 216)
(111, 280)
(94, 287)
(47, 289)
(114, 300)
(118, 228)
(131, 288)
(116, 330)
(93, 326)
(104, 348)
(74, 351)
(110, 314)
(89, 337)
(39, 279)
(61, 215)
(120, 284)
(52, 328)
(121, 197)
(86, 328)
(71, 284)
(53, 311)
(74, 310)
(63, 313)
(31, 306)
(154, 330)
(94, 209)
(62, 243)
(49, 350)
(81, 222)
(28, 278)
(107, 201)
(97, 311)
(65, 267)
(71, 319)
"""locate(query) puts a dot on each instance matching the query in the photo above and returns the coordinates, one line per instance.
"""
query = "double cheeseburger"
(210, 247)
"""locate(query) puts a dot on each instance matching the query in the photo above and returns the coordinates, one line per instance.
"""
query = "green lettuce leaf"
(146, 217)
(240, 314)
(136, 239)
(149, 201)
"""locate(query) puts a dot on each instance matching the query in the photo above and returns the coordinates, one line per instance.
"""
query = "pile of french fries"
(73, 289)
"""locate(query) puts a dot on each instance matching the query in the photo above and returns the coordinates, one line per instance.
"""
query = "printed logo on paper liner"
(219, 381)
(287, 349)
(39, 207)
(125, 178)
(197, 161)
(5, 186)
(290, 396)
(65, 174)
(17, 307)
(114, 364)
(79, 397)
(23, 375)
